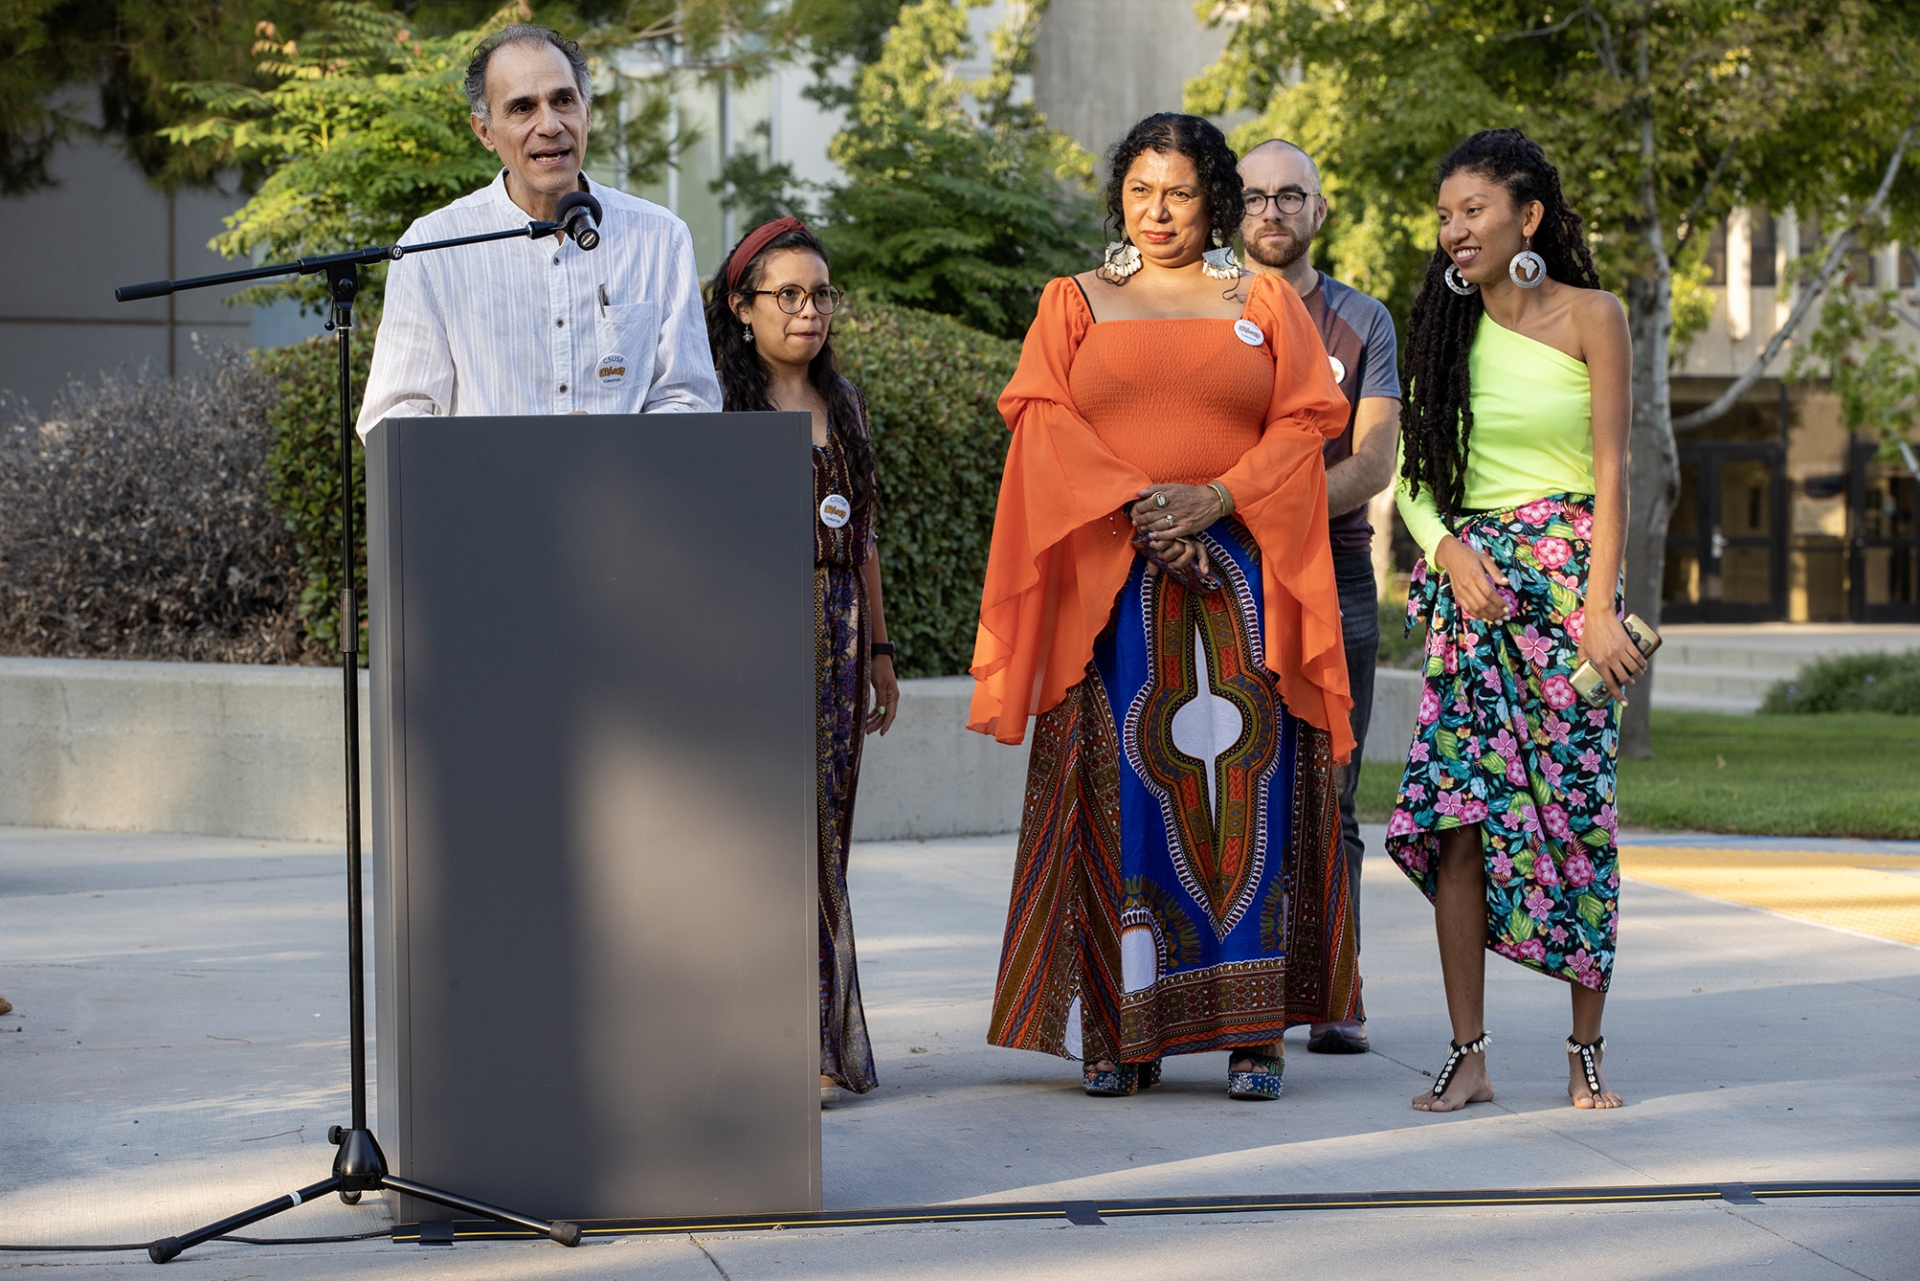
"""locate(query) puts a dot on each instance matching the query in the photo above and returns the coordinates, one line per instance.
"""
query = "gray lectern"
(593, 787)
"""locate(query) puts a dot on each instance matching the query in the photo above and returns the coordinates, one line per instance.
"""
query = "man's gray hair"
(522, 33)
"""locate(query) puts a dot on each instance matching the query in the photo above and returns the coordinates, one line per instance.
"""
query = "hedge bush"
(1881, 682)
(303, 476)
(136, 525)
(938, 445)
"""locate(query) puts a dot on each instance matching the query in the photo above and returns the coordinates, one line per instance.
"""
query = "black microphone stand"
(358, 1166)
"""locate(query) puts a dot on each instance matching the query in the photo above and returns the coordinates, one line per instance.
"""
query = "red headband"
(756, 240)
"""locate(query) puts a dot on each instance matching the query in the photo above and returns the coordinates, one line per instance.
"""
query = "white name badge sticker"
(1339, 370)
(835, 511)
(612, 370)
(1249, 333)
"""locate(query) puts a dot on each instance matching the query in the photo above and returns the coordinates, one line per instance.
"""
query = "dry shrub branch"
(134, 522)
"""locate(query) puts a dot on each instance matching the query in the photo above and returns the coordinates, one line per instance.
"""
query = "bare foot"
(1577, 1084)
(1239, 1062)
(1470, 1084)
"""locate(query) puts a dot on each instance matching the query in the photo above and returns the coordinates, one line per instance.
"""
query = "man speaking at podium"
(531, 327)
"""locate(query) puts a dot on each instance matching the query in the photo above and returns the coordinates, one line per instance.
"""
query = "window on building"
(1905, 258)
(1717, 255)
(1764, 247)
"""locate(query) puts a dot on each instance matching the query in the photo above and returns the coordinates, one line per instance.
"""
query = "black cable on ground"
(142, 1245)
(1096, 1212)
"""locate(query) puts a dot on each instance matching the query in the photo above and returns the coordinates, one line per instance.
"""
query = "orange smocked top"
(1100, 411)
(1182, 400)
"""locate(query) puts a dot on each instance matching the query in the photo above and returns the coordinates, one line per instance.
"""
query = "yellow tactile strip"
(1876, 894)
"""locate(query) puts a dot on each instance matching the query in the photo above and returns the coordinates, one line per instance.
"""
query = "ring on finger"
(1170, 521)
(1159, 500)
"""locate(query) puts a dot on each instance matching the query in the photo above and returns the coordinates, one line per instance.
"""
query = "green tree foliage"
(1856, 348)
(364, 130)
(77, 67)
(958, 199)
(1662, 115)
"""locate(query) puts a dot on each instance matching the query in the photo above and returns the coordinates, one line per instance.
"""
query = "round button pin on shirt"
(1249, 333)
(835, 511)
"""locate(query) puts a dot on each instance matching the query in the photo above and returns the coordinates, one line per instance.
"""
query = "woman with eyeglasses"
(769, 314)
(1160, 599)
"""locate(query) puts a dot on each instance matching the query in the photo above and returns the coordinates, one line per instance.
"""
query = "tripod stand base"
(359, 1167)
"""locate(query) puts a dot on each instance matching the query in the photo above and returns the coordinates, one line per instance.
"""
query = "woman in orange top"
(1160, 593)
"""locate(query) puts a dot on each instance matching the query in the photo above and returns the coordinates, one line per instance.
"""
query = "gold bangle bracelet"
(1226, 499)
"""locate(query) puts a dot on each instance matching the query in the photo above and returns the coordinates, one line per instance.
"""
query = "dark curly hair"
(1437, 417)
(1173, 134)
(743, 375)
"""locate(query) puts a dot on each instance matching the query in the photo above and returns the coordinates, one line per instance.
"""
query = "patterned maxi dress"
(1179, 884)
(1503, 741)
(841, 664)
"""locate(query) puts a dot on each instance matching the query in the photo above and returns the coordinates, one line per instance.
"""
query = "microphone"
(579, 215)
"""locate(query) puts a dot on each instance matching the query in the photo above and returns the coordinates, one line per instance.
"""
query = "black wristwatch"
(881, 649)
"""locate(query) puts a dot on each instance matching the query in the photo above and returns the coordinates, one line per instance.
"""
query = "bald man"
(1284, 211)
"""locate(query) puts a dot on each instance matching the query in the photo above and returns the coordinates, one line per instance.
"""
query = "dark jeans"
(1360, 629)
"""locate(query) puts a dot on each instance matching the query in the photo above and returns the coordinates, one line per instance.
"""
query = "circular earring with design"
(1527, 269)
(1458, 283)
(1122, 259)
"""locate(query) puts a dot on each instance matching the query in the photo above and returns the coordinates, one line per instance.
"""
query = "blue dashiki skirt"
(842, 666)
(1503, 741)
(1180, 884)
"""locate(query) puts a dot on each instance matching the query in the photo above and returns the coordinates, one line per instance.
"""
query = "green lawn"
(1842, 774)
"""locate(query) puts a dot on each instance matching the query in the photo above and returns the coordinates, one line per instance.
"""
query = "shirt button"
(556, 260)
(559, 324)
(563, 388)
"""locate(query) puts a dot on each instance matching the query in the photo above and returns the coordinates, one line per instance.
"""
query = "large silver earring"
(1527, 269)
(1220, 264)
(1122, 260)
(746, 331)
(1458, 283)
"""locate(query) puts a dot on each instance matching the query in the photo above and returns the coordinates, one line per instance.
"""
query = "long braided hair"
(1436, 418)
(743, 375)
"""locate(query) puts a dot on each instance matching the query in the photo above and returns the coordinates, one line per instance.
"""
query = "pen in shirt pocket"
(604, 304)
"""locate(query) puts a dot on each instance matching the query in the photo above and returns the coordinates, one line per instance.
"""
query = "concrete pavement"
(180, 1053)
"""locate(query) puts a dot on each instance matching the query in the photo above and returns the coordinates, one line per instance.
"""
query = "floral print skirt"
(1504, 742)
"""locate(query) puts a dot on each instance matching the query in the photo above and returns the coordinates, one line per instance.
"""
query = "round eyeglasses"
(1291, 201)
(793, 299)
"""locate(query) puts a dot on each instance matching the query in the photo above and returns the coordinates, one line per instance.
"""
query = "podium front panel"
(596, 936)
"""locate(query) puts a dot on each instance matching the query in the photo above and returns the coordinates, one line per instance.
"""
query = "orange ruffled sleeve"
(1279, 489)
(1057, 562)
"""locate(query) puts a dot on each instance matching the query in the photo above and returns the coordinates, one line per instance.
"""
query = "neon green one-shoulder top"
(1532, 431)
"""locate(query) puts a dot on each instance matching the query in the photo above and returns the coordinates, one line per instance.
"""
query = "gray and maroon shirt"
(1358, 333)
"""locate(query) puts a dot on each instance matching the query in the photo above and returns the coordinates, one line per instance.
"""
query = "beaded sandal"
(1444, 1077)
(1259, 1083)
(1588, 1064)
(1117, 1080)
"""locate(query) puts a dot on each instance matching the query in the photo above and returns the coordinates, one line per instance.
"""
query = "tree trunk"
(1653, 477)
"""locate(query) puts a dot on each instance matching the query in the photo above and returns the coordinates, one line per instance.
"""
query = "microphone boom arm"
(326, 262)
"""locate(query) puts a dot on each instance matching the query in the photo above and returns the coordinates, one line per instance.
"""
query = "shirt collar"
(497, 192)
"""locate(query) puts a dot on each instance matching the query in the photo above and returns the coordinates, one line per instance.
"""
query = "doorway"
(1883, 547)
(1726, 541)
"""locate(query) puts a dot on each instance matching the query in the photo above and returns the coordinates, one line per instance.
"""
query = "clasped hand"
(1170, 529)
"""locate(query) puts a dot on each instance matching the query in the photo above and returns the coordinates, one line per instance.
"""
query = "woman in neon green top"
(1513, 481)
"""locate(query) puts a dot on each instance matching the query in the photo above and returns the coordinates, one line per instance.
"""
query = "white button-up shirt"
(531, 327)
